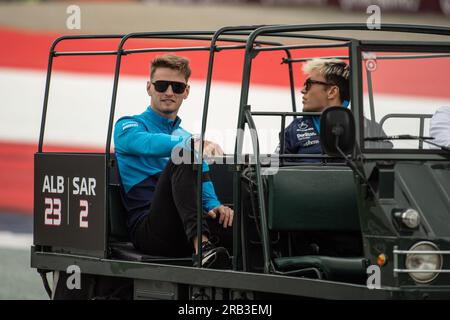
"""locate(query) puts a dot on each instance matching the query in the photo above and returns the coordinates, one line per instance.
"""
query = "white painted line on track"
(13, 240)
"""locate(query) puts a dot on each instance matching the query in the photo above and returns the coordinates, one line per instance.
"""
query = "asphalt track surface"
(17, 279)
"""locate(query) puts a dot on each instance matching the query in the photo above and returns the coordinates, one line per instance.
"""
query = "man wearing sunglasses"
(159, 193)
(326, 85)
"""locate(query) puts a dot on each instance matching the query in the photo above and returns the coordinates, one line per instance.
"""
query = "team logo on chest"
(305, 131)
(303, 126)
(306, 135)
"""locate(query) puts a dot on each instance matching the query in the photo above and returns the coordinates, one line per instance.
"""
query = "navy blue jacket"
(302, 137)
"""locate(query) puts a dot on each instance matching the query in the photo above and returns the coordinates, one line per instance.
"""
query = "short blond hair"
(171, 61)
(335, 71)
(327, 67)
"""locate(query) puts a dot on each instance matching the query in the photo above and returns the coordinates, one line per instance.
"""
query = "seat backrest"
(312, 198)
(117, 215)
(222, 177)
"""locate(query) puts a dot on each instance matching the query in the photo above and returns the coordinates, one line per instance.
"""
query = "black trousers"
(169, 228)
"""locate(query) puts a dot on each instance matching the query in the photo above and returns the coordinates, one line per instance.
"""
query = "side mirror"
(337, 131)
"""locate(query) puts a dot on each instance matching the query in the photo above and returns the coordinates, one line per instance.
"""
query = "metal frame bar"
(214, 40)
(194, 35)
(405, 115)
(410, 47)
(52, 54)
(268, 266)
(301, 46)
(237, 227)
(278, 284)
(245, 115)
(169, 49)
(370, 91)
(120, 51)
(398, 270)
(84, 53)
(377, 57)
(422, 252)
(190, 35)
(247, 118)
(213, 48)
(421, 118)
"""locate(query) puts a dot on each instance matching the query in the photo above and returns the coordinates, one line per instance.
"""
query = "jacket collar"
(160, 121)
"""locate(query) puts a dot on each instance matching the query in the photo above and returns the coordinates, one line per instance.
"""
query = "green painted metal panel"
(312, 198)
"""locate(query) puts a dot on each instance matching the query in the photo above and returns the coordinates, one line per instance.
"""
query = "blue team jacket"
(302, 136)
(143, 145)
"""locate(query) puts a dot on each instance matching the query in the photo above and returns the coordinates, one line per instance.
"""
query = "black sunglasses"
(163, 85)
(309, 82)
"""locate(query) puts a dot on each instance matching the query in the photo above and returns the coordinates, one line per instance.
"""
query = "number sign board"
(70, 202)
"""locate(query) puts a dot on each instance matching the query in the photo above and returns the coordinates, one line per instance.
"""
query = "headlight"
(423, 261)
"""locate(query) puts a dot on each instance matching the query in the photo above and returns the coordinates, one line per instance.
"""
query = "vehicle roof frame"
(179, 35)
(409, 47)
(189, 35)
(245, 116)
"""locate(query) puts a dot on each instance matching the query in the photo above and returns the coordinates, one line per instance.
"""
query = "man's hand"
(225, 215)
(210, 149)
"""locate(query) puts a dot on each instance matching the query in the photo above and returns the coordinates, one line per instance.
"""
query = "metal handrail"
(405, 115)
(421, 118)
(283, 116)
(418, 56)
(422, 252)
(421, 271)
(260, 192)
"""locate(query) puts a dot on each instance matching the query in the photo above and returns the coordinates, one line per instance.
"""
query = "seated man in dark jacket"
(326, 85)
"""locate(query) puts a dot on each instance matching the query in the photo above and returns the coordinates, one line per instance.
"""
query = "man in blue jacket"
(158, 192)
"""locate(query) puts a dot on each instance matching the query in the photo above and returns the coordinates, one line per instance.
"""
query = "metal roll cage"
(252, 47)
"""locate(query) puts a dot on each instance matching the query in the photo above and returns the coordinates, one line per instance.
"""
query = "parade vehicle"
(367, 219)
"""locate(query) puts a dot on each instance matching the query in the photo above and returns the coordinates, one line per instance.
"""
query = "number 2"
(84, 214)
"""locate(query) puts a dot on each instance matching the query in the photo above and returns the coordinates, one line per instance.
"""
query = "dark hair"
(338, 75)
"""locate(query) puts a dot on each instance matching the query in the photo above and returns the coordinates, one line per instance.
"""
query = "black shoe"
(213, 257)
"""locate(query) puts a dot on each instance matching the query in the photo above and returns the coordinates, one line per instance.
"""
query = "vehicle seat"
(119, 242)
(127, 251)
(315, 198)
